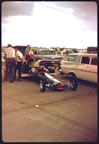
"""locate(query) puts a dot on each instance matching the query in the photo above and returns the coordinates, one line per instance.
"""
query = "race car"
(38, 69)
(48, 81)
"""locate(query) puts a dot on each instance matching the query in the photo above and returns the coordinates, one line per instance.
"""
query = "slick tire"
(42, 86)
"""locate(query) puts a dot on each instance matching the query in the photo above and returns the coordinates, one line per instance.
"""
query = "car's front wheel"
(42, 85)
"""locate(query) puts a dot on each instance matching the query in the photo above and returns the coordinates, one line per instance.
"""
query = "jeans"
(10, 69)
(19, 68)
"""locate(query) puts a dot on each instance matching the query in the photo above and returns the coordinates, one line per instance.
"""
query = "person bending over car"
(30, 58)
(29, 62)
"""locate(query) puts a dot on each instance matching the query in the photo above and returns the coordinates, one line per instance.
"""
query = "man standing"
(19, 62)
(9, 55)
(27, 51)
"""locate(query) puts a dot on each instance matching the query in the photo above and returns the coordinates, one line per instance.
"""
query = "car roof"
(84, 54)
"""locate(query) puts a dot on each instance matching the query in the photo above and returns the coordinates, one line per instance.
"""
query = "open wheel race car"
(48, 81)
(37, 69)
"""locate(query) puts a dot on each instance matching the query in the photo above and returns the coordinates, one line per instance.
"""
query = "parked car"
(81, 65)
(52, 60)
(21, 48)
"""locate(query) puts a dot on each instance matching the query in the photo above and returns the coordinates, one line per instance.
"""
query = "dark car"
(52, 60)
(21, 48)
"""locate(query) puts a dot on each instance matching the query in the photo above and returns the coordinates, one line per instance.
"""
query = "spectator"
(19, 62)
(27, 51)
(9, 55)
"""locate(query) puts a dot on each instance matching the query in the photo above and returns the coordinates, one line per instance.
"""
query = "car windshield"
(45, 52)
(72, 58)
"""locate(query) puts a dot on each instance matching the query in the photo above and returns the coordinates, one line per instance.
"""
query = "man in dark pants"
(10, 62)
(19, 62)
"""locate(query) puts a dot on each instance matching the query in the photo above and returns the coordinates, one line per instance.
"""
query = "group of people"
(14, 61)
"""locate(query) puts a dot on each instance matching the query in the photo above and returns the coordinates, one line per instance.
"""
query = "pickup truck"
(50, 57)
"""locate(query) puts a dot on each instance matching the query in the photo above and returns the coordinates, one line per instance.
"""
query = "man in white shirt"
(9, 55)
(19, 62)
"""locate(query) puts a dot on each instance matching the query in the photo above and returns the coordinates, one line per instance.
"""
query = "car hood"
(49, 56)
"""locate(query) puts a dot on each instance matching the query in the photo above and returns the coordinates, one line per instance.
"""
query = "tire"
(42, 86)
(73, 83)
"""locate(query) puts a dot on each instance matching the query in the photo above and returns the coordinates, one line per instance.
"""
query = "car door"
(83, 68)
(86, 70)
(68, 65)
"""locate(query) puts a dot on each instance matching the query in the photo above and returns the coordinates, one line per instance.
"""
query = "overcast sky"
(50, 24)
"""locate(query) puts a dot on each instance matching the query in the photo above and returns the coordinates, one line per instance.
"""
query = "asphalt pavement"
(29, 115)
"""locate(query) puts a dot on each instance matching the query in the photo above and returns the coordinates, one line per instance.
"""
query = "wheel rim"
(72, 83)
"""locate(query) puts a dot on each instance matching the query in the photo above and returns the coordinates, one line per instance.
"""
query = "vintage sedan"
(81, 65)
(50, 57)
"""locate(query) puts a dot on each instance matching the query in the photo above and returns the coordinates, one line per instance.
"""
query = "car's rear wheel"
(42, 85)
